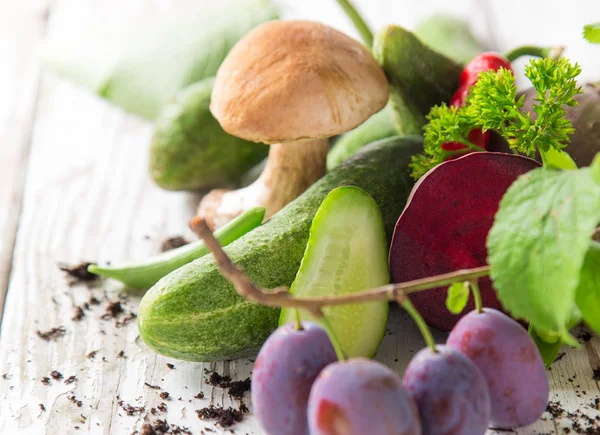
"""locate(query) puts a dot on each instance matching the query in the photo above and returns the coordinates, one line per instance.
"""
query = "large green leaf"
(539, 240)
(548, 351)
(588, 291)
(149, 61)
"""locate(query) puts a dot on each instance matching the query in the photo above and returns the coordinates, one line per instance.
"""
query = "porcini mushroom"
(292, 84)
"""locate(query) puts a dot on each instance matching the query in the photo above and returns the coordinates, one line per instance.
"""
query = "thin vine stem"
(476, 295)
(535, 51)
(418, 319)
(332, 337)
(297, 321)
(358, 21)
(280, 297)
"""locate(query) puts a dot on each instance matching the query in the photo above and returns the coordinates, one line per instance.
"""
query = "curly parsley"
(492, 104)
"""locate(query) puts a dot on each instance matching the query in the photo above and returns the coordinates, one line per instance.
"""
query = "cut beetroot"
(445, 223)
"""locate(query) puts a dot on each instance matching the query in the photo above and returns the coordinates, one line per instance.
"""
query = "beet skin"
(445, 223)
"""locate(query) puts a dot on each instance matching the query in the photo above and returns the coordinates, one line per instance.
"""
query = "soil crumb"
(52, 334)
(225, 417)
(54, 374)
(128, 318)
(161, 427)
(74, 400)
(92, 354)
(580, 422)
(78, 273)
(130, 409)
(112, 310)
(235, 389)
(78, 314)
(173, 243)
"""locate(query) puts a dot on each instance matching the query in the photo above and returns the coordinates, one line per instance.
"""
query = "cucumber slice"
(346, 253)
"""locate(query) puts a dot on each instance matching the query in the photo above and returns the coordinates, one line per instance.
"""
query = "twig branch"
(280, 297)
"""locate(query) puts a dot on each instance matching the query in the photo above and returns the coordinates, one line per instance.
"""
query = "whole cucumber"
(141, 63)
(419, 77)
(195, 314)
(190, 150)
(378, 126)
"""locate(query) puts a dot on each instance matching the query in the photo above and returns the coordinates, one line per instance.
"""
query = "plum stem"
(358, 21)
(332, 337)
(297, 322)
(535, 51)
(476, 295)
(425, 331)
(280, 296)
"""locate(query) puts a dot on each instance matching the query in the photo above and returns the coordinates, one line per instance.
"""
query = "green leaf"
(143, 64)
(549, 351)
(458, 296)
(537, 245)
(557, 159)
(591, 32)
(588, 292)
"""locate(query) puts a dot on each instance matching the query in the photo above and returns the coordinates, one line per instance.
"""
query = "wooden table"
(75, 187)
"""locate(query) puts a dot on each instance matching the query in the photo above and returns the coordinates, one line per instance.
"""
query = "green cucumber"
(191, 151)
(419, 77)
(147, 273)
(139, 64)
(346, 252)
(378, 126)
(195, 314)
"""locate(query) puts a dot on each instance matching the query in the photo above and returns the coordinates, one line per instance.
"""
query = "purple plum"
(358, 397)
(511, 363)
(451, 392)
(283, 374)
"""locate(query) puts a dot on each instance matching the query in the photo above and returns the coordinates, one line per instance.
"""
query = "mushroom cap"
(292, 80)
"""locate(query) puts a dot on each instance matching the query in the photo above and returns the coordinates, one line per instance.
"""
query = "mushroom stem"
(292, 167)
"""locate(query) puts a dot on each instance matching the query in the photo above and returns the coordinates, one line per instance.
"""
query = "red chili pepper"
(483, 62)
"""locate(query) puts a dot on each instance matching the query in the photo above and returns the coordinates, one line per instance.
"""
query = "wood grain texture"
(21, 28)
(88, 197)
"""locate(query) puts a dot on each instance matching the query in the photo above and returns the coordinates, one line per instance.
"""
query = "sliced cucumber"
(346, 253)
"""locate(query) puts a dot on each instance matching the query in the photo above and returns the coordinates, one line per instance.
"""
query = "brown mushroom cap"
(291, 80)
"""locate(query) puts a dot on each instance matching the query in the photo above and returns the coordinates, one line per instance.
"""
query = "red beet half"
(445, 223)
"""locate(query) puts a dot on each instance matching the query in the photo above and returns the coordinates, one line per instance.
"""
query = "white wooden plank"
(88, 197)
(20, 30)
(545, 23)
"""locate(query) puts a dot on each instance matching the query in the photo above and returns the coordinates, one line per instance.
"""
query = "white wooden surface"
(73, 181)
